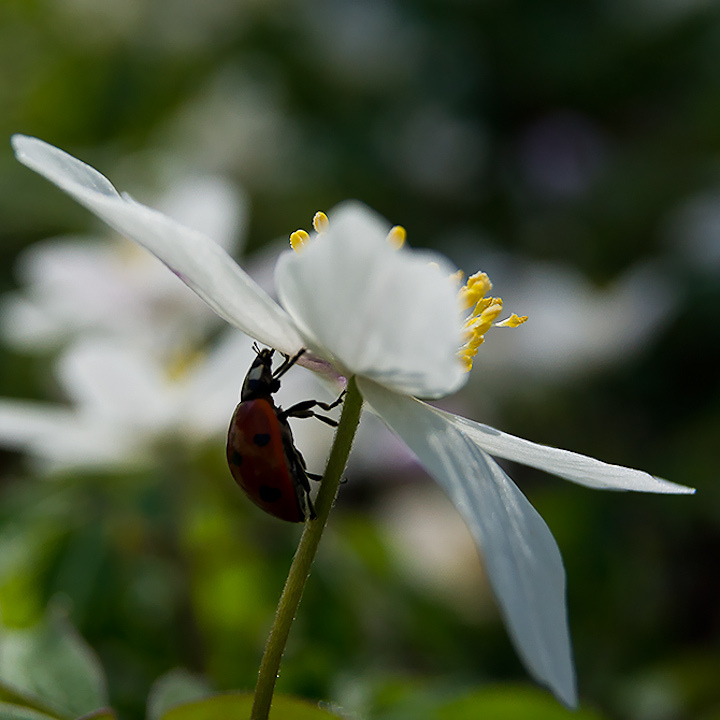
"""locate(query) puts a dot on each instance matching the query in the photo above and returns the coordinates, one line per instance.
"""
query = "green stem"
(305, 554)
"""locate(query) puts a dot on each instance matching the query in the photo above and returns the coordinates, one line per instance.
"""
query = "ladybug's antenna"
(256, 348)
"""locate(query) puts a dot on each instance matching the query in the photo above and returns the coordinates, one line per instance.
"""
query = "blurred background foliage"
(571, 150)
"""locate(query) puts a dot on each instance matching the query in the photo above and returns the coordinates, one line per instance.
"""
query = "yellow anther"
(513, 321)
(483, 304)
(396, 237)
(466, 360)
(298, 240)
(457, 277)
(468, 351)
(480, 282)
(476, 287)
(321, 222)
(493, 309)
(477, 325)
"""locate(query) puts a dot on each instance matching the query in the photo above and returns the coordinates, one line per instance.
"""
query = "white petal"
(26, 324)
(199, 262)
(521, 557)
(73, 286)
(390, 315)
(211, 204)
(24, 423)
(57, 438)
(568, 465)
(111, 380)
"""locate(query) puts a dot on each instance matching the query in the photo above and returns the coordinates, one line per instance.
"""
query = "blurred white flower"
(389, 317)
(433, 550)
(239, 121)
(370, 44)
(436, 152)
(72, 286)
(577, 327)
(123, 403)
(134, 371)
(693, 233)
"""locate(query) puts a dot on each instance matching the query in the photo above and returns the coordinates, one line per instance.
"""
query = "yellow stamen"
(298, 240)
(467, 353)
(483, 304)
(513, 321)
(320, 222)
(396, 237)
(483, 316)
(485, 311)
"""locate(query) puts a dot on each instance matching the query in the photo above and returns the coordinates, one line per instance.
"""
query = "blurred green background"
(571, 150)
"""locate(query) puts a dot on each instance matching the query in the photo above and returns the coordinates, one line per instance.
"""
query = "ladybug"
(261, 453)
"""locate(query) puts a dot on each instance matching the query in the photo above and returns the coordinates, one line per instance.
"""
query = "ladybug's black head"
(259, 381)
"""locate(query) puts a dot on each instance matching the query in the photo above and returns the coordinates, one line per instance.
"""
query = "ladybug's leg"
(305, 409)
(288, 363)
(302, 474)
(312, 476)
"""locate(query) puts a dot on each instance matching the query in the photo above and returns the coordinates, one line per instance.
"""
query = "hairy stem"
(305, 554)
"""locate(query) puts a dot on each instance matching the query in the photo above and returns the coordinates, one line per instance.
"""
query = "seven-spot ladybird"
(261, 454)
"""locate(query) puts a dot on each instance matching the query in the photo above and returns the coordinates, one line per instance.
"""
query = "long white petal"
(391, 315)
(57, 438)
(24, 423)
(563, 463)
(211, 204)
(198, 261)
(521, 557)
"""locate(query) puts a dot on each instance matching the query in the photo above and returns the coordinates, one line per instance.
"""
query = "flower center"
(180, 363)
(472, 294)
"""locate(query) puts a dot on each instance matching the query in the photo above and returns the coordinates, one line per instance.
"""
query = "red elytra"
(261, 453)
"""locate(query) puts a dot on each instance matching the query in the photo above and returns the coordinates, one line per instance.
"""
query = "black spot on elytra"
(269, 494)
(261, 439)
(236, 458)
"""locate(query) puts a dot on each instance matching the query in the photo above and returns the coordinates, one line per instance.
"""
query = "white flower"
(390, 317)
(124, 404)
(74, 286)
(578, 327)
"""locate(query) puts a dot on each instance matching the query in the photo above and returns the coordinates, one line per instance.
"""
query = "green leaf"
(237, 707)
(52, 667)
(17, 712)
(177, 687)
(510, 703)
